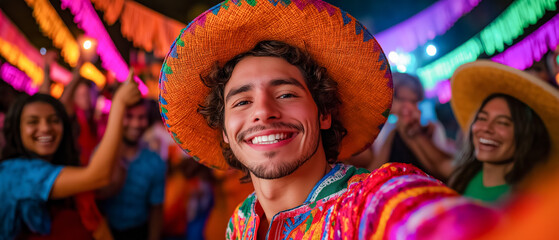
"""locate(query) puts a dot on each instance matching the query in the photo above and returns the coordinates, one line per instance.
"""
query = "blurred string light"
(533, 47)
(404, 62)
(17, 79)
(401, 68)
(54, 28)
(13, 55)
(87, 44)
(43, 51)
(502, 31)
(521, 55)
(431, 50)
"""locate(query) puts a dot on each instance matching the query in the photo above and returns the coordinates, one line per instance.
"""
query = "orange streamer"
(145, 28)
(54, 28)
(148, 29)
(112, 9)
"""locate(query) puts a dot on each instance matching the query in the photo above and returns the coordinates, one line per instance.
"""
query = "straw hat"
(333, 38)
(475, 81)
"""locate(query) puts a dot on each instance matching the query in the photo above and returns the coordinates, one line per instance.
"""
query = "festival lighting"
(17, 79)
(501, 32)
(87, 19)
(401, 68)
(43, 51)
(424, 26)
(533, 47)
(431, 50)
(393, 57)
(87, 44)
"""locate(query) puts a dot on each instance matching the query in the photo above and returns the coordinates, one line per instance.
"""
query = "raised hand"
(128, 93)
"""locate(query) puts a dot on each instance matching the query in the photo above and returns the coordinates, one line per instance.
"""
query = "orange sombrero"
(335, 40)
(473, 82)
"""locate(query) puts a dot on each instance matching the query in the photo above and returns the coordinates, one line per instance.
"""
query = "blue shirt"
(143, 187)
(25, 186)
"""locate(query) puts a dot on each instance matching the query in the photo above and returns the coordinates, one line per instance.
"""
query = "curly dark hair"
(323, 89)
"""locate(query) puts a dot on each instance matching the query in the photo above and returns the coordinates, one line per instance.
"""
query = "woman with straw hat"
(511, 120)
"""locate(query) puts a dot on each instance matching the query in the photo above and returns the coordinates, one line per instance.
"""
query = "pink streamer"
(10, 33)
(424, 26)
(88, 20)
(532, 48)
(17, 79)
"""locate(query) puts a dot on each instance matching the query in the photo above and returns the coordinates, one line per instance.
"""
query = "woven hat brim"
(473, 82)
(333, 38)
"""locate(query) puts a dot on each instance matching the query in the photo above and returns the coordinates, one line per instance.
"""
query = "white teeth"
(269, 139)
(488, 142)
(44, 139)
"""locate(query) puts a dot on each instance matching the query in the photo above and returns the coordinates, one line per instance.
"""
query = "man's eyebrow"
(235, 91)
(289, 81)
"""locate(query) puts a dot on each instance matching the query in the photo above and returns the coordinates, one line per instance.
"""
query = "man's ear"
(225, 138)
(325, 121)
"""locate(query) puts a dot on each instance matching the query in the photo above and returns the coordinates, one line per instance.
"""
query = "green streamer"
(493, 38)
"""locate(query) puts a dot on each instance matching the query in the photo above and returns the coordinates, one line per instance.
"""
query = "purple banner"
(424, 26)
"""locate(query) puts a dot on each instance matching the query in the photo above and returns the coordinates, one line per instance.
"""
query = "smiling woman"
(40, 176)
(508, 136)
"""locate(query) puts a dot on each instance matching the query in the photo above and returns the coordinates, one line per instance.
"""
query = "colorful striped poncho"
(396, 201)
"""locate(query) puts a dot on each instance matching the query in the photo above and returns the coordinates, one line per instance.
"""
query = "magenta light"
(86, 18)
(17, 79)
(10, 33)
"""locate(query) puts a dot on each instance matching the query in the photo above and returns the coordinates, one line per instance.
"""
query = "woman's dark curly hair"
(323, 89)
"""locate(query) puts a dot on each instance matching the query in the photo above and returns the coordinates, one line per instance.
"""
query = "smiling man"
(282, 91)
(133, 201)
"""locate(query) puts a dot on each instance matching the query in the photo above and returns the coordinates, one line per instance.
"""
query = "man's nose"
(265, 109)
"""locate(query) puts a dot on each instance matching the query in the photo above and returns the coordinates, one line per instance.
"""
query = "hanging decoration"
(14, 56)
(145, 28)
(521, 55)
(86, 18)
(111, 9)
(53, 27)
(533, 47)
(424, 26)
(501, 32)
(17, 79)
(148, 29)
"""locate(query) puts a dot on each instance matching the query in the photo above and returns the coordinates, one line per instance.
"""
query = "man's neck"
(281, 194)
(129, 151)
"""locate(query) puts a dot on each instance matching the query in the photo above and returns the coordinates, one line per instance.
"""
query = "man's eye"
(287, 95)
(241, 103)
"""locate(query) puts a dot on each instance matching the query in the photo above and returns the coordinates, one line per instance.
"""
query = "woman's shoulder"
(23, 163)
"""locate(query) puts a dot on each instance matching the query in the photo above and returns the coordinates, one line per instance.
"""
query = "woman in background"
(39, 169)
(508, 136)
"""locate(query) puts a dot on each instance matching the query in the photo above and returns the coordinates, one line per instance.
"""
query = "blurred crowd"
(154, 190)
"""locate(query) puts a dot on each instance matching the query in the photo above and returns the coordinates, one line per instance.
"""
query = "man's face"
(134, 124)
(271, 120)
